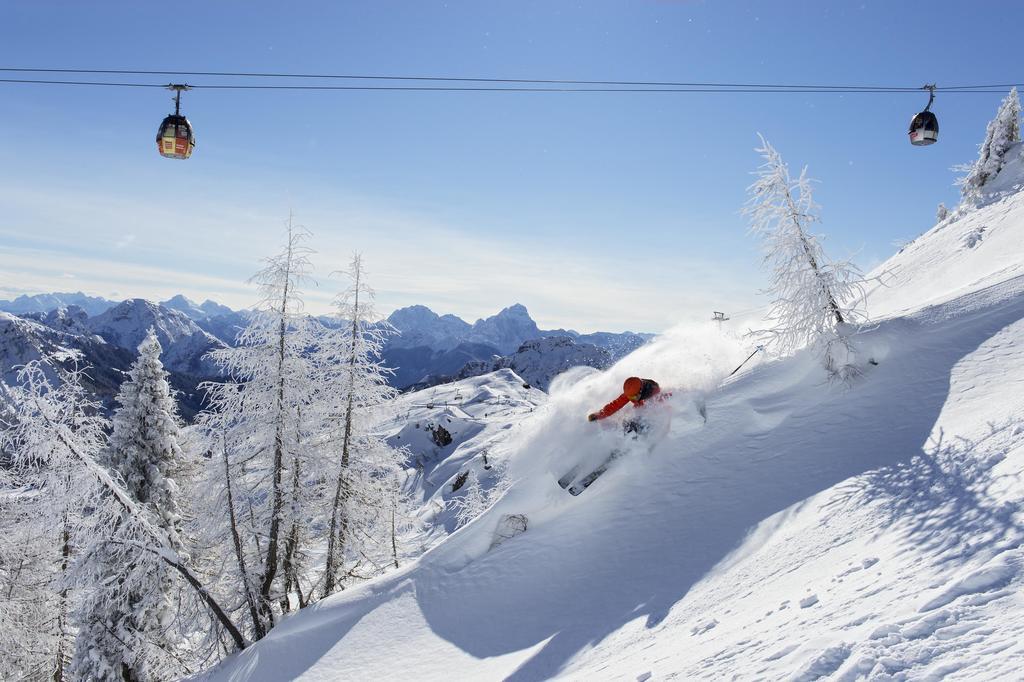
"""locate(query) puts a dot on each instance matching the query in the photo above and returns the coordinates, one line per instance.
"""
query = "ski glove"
(592, 417)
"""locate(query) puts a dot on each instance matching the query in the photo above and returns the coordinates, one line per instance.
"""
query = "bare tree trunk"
(339, 527)
(62, 609)
(270, 570)
(291, 564)
(258, 629)
(795, 213)
(394, 540)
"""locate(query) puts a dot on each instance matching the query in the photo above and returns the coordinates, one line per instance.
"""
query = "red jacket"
(651, 391)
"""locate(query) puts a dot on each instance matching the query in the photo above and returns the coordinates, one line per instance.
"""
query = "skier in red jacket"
(650, 421)
(640, 392)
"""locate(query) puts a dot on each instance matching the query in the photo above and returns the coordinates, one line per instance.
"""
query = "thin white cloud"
(124, 241)
(209, 249)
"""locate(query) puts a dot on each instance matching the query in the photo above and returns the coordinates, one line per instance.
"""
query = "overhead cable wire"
(442, 88)
(744, 87)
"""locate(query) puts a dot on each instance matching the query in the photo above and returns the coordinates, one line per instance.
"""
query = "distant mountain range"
(44, 303)
(427, 349)
(432, 348)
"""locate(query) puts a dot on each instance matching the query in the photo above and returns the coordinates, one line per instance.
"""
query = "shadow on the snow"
(941, 499)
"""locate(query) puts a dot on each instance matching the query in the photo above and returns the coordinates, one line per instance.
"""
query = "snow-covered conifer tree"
(55, 443)
(941, 213)
(813, 298)
(125, 619)
(365, 467)
(54, 428)
(263, 424)
(1002, 132)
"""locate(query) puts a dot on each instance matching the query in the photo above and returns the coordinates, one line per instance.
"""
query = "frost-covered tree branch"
(813, 299)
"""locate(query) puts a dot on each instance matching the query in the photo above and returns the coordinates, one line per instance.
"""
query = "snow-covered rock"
(418, 325)
(70, 320)
(507, 330)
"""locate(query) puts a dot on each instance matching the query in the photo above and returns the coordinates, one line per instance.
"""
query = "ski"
(585, 482)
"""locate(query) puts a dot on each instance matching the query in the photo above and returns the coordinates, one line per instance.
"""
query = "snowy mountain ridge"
(803, 531)
(426, 348)
(431, 349)
(537, 361)
(196, 311)
(44, 303)
(184, 343)
(23, 340)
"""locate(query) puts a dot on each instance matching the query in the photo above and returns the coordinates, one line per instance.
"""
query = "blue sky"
(595, 210)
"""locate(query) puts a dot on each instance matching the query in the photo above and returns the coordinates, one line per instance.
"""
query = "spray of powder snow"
(688, 361)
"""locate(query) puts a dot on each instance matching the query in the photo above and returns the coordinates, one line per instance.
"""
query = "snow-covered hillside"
(457, 430)
(24, 340)
(804, 531)
(971, 249)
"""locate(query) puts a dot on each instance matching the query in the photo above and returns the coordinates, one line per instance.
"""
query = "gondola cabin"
(174, 139)
(924, 129)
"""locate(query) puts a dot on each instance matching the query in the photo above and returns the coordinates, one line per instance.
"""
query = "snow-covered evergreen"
(813, 299)
(1003, 131)
(96, 535)
(129, 610)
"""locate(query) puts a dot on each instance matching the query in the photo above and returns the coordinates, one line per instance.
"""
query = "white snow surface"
(805, 531)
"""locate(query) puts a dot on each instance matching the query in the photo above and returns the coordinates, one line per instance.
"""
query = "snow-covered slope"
(971, 249)
(24, 340)
(454, 430)
(804, 531)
